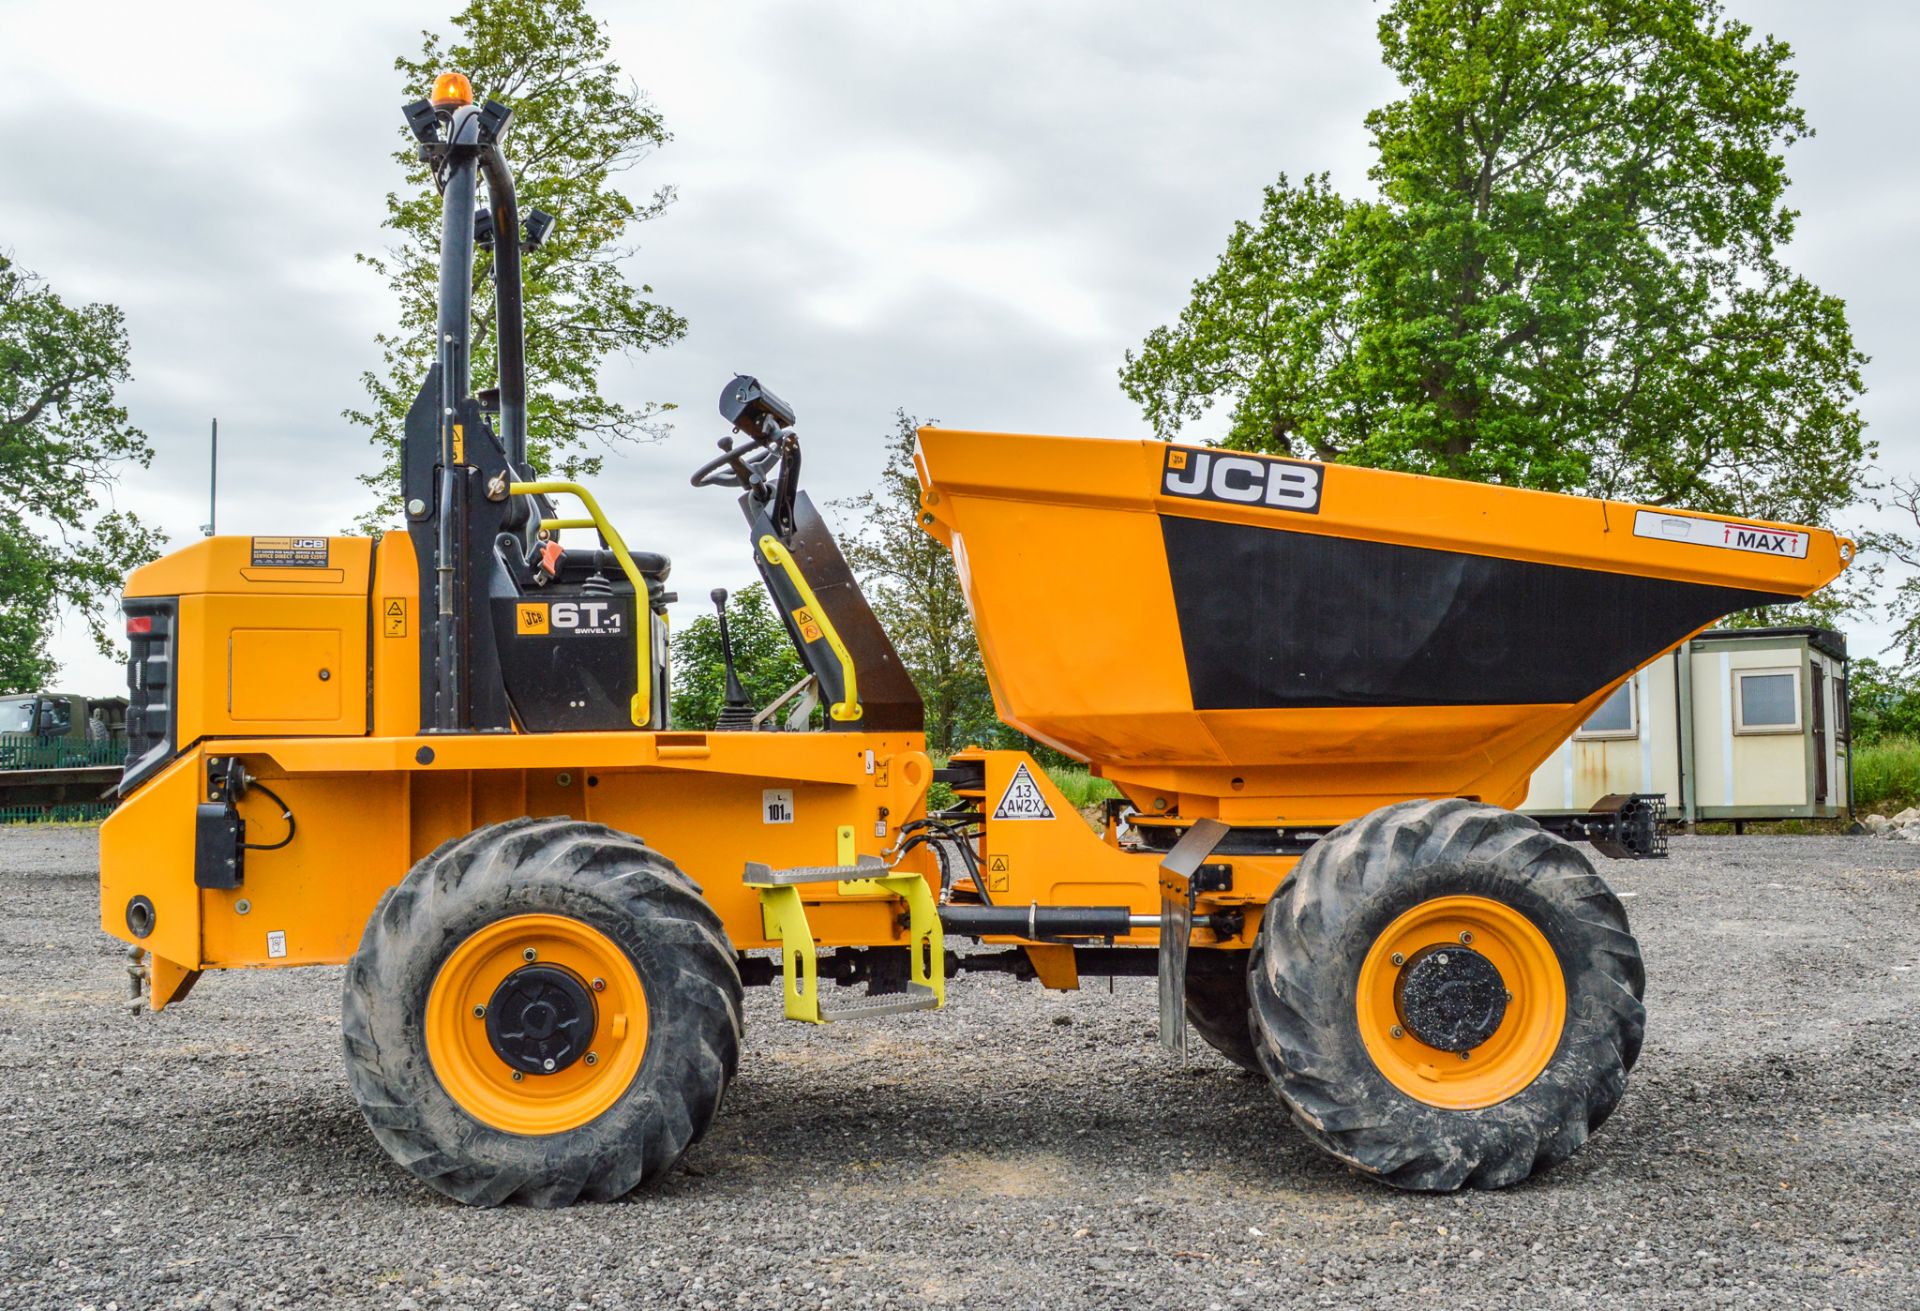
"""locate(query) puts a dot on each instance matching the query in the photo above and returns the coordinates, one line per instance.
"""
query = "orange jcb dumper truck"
(444, 759)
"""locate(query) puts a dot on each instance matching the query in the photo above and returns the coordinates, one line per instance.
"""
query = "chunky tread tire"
(1307, 960)
(602, 877)
(1220, 1012)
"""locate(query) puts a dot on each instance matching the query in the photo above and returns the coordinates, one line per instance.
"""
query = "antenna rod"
(213, 479)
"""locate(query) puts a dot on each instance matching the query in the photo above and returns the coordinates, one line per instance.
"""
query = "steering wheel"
(738, 466)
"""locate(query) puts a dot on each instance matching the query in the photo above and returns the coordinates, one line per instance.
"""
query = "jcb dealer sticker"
(1231, 478)
(1760, 538)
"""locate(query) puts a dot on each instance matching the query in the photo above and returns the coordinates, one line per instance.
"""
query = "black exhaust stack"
(447, 433)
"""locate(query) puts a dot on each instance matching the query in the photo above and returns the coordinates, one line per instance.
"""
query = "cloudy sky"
(967, 208)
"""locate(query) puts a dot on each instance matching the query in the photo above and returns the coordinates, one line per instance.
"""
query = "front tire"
(1377, 992)
(542, 1011)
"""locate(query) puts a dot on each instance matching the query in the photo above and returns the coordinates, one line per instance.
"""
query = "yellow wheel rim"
(1528, 1032)
(480, 1080)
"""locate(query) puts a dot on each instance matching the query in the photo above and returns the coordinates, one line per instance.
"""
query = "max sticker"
(1762, 539)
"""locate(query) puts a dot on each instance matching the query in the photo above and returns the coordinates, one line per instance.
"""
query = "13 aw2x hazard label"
(1023, 798)
(1762, 538)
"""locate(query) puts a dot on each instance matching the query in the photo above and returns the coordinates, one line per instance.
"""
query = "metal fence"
(72, 812)
(24, 752)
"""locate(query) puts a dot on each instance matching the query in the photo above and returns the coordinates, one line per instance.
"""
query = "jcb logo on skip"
(1243, 480)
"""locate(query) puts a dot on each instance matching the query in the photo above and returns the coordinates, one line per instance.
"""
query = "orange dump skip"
(1270, 639)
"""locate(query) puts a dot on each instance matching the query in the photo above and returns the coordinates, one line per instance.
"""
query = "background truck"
(60, 755)
(444, 759)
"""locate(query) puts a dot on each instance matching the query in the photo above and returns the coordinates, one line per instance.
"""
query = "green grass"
(1886, 776)
(1080, 787)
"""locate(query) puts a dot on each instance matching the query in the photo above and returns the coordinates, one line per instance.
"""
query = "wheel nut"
(516, 1076)
(548, 1063)
(1399, 959)
(1397, 1031)
(479, 1012)
(599, 985)
(529, 954)
(1465, 939)
(1466, 1056)
(593, 1058)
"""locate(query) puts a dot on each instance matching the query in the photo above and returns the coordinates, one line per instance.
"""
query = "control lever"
(737, 711)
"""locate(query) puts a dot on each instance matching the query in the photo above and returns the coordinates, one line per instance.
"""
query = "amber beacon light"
(450, 91)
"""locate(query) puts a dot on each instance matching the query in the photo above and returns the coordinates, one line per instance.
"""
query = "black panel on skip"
(1275, 619)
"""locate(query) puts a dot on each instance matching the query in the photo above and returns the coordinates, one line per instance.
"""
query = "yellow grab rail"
(641, 708)
(778, 556)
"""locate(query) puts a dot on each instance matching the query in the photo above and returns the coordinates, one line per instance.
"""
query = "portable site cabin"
(1736, 724)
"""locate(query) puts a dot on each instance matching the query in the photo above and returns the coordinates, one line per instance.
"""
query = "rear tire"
(1552, 1064)
(1219, 1011)
(621, 929)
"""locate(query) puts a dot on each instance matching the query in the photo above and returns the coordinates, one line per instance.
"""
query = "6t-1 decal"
(568, 618)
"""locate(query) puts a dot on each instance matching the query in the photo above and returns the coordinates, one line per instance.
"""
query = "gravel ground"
(1020, 1149)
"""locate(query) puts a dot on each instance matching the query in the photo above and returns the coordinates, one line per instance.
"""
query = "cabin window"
(1617, 716)
(1766, 701)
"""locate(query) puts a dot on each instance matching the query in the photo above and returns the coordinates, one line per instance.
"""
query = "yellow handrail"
(778, 556)
(641, 708)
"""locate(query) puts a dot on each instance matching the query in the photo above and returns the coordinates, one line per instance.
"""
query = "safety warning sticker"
(809, 626)
(276, 944)
(393, 617)
(1023, 798)
(1762, 538)
(290, 552)
(999, 872)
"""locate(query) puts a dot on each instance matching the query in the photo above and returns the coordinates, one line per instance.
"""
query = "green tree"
(1903, 550)
(763, 656)
(1569, 277)
(1885, 702)
(63, 440)
(910, 581)
(578, 122)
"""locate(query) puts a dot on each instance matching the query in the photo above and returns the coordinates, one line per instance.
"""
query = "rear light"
(151, 621)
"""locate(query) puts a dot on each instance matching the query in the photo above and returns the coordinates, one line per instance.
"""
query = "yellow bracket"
(785, 919)
(640, 710)
(781, 558)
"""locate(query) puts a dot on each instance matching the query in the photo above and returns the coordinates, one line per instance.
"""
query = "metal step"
(917, 997)
(765, 876)
(784, 912)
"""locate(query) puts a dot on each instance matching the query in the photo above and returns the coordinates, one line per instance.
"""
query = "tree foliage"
(1902, 548)
(578, 122)
(1885, 702)
(63, 440)
(762, 656)
(910, 580)
(1569, 278)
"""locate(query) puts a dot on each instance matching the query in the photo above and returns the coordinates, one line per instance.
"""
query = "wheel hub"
(540, 1019)
(1450, 997)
